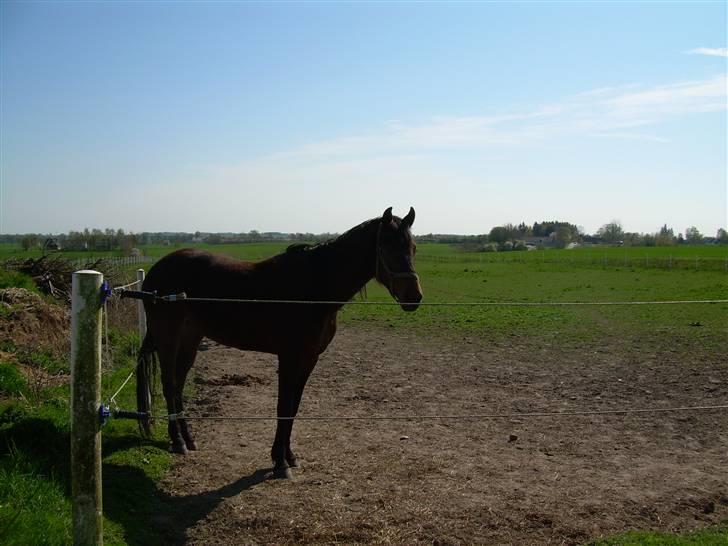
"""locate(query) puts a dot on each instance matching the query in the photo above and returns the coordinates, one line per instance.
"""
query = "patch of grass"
(34, 508)
(15, 279)
(12, 381)
(714, 536)
(43, 359)
(35, 467)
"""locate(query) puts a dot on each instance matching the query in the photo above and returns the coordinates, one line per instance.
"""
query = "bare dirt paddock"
(562, 480)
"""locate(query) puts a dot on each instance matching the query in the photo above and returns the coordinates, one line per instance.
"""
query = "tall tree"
(722, 236)
(666, 237)
(693, 236)
(612, 232)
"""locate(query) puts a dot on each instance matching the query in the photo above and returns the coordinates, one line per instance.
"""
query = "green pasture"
(449, 274)
(586, 274)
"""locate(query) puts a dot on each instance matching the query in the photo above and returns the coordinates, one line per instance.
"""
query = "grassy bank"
(35, 505)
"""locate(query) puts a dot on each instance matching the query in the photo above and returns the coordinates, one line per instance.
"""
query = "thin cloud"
(404, 159)
(617, 112)
(710, 51)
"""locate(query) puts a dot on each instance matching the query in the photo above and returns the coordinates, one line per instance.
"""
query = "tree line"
(506, 237)
(613, 233)
(560, 234)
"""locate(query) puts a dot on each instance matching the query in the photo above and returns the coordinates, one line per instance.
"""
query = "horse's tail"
(145, 371)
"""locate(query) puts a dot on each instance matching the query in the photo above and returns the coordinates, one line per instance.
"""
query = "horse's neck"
(350, 264)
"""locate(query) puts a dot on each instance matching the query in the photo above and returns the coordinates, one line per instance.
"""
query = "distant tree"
(563, 236)
(127, 242)
(693, 236)
(29, 241)
(512, 232)
(524, 230)
(562, 231)
(498, 234)
(612, 232)
(666, 237)
(633, 239)
(721, 236)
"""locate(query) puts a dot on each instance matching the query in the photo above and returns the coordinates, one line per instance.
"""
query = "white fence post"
(85, 400)
(140, 308)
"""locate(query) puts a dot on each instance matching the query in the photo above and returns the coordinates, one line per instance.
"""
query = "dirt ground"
(563, 480)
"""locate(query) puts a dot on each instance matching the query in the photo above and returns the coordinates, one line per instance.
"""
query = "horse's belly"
(269, 333)
(246, 335)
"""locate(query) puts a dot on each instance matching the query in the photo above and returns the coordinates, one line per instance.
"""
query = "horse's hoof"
(191, 445)
(293, 462)
(282, 473)
(180, 449)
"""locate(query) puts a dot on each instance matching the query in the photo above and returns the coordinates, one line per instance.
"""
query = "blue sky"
(316, 116)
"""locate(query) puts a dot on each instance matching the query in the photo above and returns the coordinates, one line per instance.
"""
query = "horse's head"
(396, 259)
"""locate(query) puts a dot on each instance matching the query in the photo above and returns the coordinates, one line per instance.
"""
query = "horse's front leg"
(293, 372)
(307, 367)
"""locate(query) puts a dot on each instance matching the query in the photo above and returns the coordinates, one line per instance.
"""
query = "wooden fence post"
(85, 400)
(140, 308)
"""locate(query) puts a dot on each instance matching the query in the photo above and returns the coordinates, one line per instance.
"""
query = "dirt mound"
(27, 320)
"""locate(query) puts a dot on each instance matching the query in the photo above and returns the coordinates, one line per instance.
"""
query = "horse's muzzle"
(409, 307)
(409, 295)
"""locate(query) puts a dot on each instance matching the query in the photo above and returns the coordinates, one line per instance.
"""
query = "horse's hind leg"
(168, 334)
(185, 358)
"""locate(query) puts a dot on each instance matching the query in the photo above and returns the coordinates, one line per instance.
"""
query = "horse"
(332, 272)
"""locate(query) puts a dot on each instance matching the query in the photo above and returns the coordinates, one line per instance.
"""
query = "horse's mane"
(323, 246)
(353, 232)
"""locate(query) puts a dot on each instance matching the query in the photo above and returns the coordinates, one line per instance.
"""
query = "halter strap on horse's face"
(391, 275)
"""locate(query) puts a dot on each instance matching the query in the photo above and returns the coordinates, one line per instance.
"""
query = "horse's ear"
(409, 219)
(387, 216)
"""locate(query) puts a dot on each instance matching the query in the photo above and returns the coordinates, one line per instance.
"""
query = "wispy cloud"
(617, 112)
(710, 51)
(407, 161)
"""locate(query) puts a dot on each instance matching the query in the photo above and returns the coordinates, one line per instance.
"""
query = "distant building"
(541, 240)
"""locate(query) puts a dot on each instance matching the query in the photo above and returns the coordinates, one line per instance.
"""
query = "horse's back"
(198, 273)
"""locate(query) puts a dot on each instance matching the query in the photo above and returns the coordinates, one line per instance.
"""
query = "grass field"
(451, 275)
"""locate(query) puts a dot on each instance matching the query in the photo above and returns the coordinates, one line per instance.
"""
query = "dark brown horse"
(380, 248)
